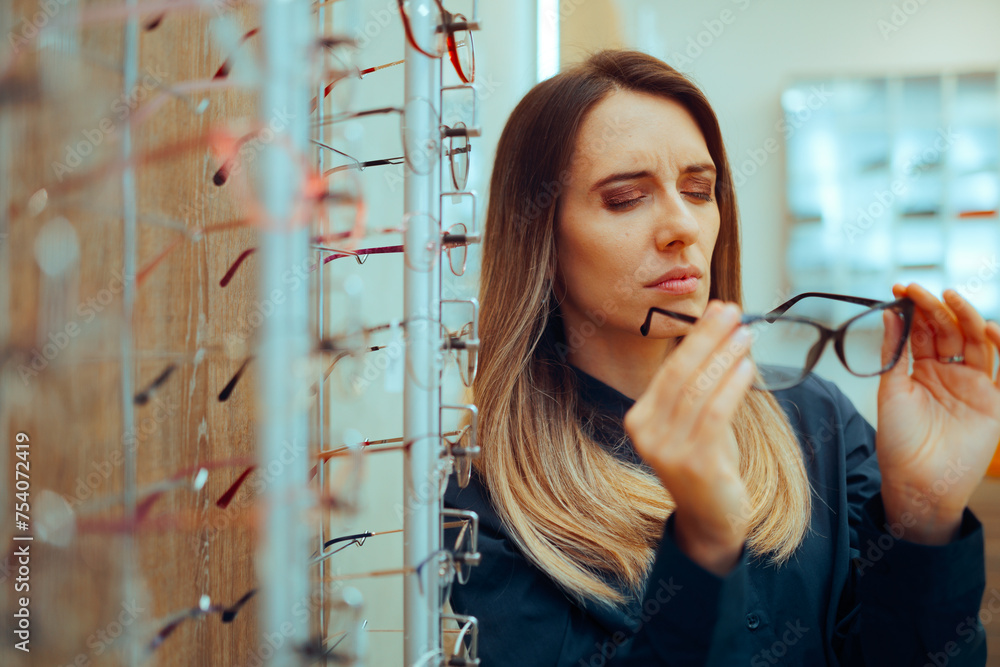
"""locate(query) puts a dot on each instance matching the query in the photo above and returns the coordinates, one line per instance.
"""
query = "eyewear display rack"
(424, 458)
(422, 406)
(283, 570)
(282, 558)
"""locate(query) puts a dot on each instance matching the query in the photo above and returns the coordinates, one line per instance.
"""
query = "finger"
(717, 413)
(664, 402)
(711, 372)
(701, 340)
(727, 355)
(890, 342)
(936, 332)
(921, 340)
(670, 365)
(895, 380)
(993, 333)
(977, 351)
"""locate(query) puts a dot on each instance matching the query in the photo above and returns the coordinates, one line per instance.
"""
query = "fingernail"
(741, 336)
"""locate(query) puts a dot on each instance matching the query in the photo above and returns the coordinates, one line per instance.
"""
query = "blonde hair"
(591, 521)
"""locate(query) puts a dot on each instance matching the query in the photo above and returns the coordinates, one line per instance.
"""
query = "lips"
(676, 273)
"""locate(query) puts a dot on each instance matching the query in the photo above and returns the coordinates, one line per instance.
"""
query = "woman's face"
(640, 202)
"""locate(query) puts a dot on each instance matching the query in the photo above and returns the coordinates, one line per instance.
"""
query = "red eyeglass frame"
(450, 25)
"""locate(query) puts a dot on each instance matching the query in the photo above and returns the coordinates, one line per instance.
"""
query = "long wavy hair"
(582, 515)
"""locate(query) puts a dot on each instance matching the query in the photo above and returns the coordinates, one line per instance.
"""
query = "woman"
(639, 503)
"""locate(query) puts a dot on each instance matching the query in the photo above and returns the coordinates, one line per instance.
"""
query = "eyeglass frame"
(826, 334)
(443, 131)
(470, 451)
(449, 241)
(469, 557)
(450, 27)
(204, 608)
(450, 132)
(452, 659)
(455, 341)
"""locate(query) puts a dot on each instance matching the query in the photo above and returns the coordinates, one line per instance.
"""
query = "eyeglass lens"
(784, 348)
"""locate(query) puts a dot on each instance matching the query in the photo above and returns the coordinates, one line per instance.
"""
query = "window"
(895, 179)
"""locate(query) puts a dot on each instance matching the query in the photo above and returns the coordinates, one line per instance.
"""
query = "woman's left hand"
(939, 427)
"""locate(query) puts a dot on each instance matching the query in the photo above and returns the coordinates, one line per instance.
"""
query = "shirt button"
(753, 621)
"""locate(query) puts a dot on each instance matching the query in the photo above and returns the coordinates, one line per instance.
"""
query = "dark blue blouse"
(852, 594)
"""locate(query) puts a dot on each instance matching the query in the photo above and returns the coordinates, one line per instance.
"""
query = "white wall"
(747, 56)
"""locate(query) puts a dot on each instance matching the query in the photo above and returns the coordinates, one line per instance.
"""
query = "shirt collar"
(600, 395)
(602, 411)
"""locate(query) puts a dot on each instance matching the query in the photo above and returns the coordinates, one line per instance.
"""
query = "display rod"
(421, 397)
(130, 79)
(283, 551)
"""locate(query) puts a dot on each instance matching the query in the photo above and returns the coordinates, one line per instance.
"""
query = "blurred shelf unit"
(895, 179)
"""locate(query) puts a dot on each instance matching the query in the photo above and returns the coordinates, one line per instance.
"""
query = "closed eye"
(704, 196)
(623, 204)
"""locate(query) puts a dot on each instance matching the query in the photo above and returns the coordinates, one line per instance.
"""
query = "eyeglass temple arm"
(231, 385)
(409, 30)
(358, 254)
(142, 398)
(474, 24)
(228, 615)
(475, 100)
(361, 166)
(359, 538)
(470, 625)
(338, 152)
(473, 411)
(357, 114)
(472, 237)
(330, 41)
(474, 304)
(460, 131)
(419, 569)
(644, 329)
(780, 310)
(455, 343)
(472, 557)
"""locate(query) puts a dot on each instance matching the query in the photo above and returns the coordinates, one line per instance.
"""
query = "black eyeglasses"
(465, 543)
(204, 608)
(423, 134)
(786, 348)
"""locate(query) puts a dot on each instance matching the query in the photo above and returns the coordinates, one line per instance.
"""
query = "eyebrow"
(696, 168)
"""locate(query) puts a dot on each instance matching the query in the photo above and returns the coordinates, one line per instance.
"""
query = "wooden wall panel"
(73, 406)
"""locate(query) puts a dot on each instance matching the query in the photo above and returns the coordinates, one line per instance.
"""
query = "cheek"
(590, 250)
(588, 262)
(711, 229)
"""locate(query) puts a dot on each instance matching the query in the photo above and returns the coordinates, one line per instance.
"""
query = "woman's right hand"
(682, 427)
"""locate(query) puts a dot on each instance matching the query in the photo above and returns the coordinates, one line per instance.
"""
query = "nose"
(676, 224)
